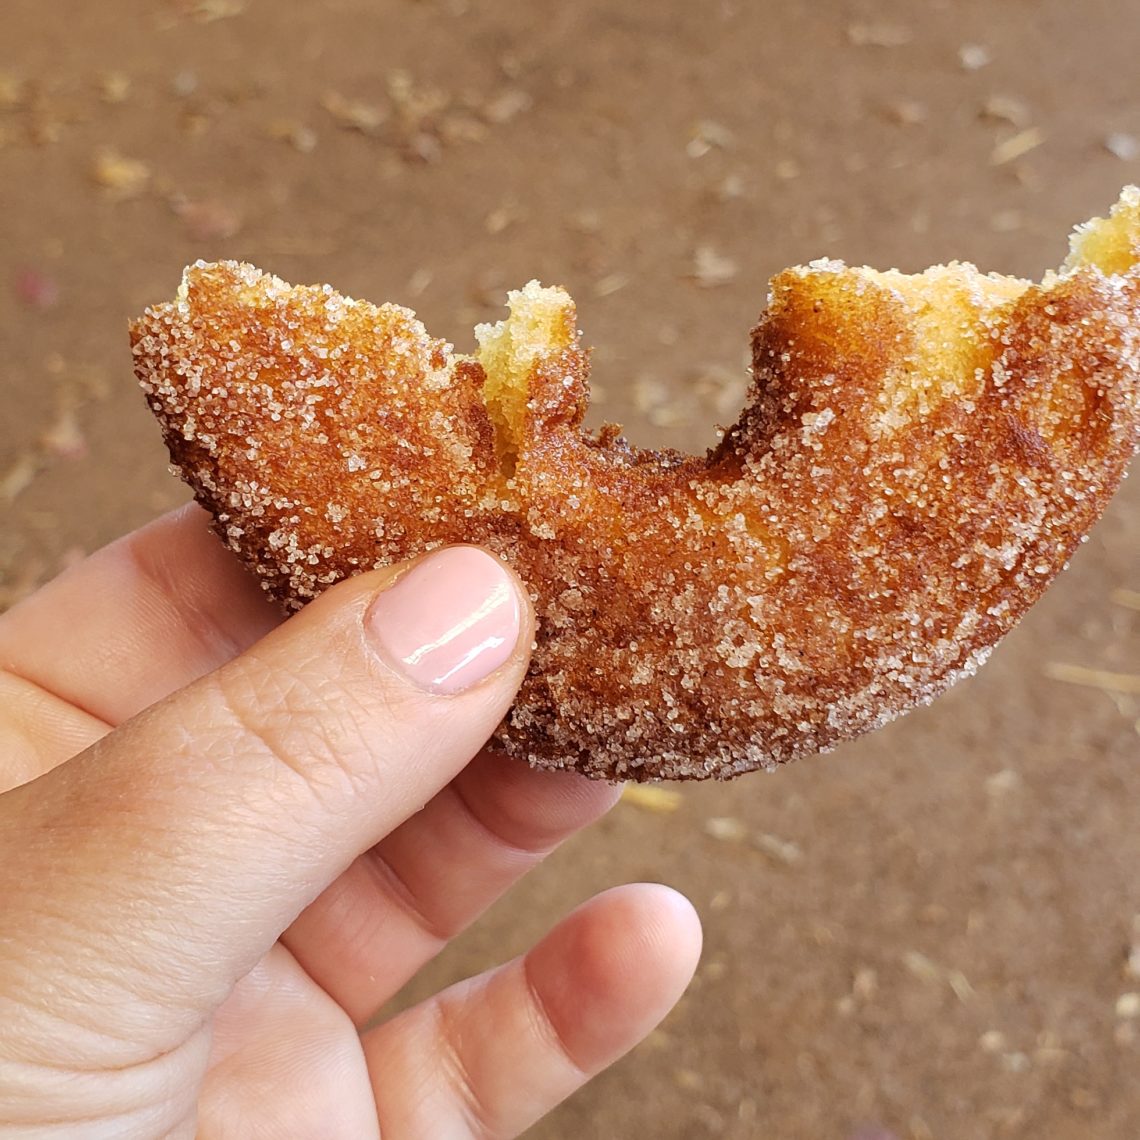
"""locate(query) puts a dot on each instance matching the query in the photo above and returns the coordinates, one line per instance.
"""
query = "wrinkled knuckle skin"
(311, 728)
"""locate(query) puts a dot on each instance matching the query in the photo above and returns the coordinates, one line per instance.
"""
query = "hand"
(216, 862)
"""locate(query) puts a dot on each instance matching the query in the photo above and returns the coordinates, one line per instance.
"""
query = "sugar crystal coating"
(918, 457)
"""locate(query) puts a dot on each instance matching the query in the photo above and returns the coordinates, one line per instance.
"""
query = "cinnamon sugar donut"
(917, 458)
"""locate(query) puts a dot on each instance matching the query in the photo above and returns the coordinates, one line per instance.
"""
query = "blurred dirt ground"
(930, 935)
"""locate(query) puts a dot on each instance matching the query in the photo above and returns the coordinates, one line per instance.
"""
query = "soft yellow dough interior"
(541, 323)
(1111, 244)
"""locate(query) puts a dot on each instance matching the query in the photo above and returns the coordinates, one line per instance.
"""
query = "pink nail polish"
(450, 621)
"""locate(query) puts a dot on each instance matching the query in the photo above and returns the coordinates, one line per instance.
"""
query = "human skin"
(226, 841)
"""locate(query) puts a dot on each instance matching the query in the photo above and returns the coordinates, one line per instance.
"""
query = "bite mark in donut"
(917, 458)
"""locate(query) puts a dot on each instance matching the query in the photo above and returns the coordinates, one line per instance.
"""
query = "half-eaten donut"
(917, 458)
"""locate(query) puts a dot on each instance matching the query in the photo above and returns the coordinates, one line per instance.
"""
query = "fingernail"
(450, 621)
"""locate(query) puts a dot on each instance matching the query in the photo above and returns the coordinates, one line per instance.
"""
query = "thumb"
(154, 869)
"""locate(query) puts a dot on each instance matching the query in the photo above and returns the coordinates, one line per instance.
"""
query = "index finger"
(138, 620)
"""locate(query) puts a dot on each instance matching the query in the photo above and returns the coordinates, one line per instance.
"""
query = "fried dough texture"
(917, 458)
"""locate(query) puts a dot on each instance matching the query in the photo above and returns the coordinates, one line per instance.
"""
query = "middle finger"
(400, 903)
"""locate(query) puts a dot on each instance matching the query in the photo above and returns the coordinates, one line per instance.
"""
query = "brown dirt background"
(924, 936)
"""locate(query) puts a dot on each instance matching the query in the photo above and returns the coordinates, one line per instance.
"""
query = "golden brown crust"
(919, 456)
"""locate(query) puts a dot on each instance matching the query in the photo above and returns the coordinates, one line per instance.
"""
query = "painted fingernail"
(449, 622)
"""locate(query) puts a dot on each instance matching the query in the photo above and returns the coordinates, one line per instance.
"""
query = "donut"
(917, 457)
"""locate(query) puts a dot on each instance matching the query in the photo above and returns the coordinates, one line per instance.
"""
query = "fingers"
(487, 1058)
(38, 730)
(399, 903)
(197, 831)
(285, 1062)
(155, 611)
